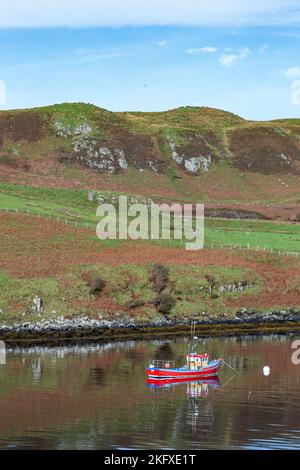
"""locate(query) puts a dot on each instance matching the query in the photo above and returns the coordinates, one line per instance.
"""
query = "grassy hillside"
(182, 154)
(61, 262)
(51, 157)
(72, 206)
(49, 247)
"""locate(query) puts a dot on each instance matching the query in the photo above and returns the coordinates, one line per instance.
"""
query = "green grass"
(73, 206)
(264, 234)
(70, 295)
(63, 203)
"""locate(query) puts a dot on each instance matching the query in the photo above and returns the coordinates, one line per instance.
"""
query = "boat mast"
(193, 337)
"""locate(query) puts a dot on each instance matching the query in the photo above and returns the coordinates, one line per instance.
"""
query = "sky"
(242, 56)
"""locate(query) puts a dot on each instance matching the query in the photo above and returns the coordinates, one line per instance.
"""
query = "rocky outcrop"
(192, 163)
(87, 150)
(233, 287)
(84, 327)
(108, 154)
(194, 156)
(111, 198)
(227, 213)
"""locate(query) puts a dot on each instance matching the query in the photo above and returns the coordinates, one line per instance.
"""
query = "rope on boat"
(228, 365)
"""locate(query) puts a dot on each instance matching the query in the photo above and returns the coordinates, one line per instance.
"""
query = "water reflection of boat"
(195, 388)
(197, 411)
(201, 389)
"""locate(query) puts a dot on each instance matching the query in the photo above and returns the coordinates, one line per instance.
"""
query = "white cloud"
(295, 97)
(2, 92)
(161, 43)
(84, 13)
(244, 53)
(292, 72)
(203, 50)
(229, 59)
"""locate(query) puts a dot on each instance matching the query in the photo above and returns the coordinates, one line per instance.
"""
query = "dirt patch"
(21, 125)
(264, 150)
(263, 211)
(139, 149)
(15, 162)
(228, 213)
(196, 145)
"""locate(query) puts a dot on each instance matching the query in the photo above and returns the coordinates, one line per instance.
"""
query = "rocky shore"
(244, 322)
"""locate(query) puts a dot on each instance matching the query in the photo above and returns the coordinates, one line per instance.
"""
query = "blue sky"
(241, 60)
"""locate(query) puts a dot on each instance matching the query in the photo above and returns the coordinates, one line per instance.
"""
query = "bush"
(94, 282)
(134, 303)
(96, 285)
(164, 302)
(160, 277)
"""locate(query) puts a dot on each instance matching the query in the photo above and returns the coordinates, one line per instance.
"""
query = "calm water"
(95, 396)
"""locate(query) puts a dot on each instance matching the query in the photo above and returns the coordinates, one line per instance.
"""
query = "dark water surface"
(95, 396)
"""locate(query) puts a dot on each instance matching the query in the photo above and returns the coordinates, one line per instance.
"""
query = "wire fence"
(55, 218)
(213, 246)
(257, 248)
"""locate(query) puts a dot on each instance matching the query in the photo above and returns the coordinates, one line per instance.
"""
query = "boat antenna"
(193, 337)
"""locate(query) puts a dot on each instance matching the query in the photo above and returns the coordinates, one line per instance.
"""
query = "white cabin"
(197, 361)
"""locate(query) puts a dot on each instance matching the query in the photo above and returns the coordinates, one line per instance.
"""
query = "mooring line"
(228, 365)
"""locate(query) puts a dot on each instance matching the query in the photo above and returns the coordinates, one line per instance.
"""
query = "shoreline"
(60, 330)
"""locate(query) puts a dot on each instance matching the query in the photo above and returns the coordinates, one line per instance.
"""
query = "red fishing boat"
(212, 382)
(198, 366)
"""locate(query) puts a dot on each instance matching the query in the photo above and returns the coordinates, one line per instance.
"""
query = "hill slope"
(51, 156)
(184, 154)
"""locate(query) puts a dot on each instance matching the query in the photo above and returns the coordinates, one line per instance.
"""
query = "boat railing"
(162, 364)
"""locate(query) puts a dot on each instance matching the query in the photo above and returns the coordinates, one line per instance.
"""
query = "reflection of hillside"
(87, 396)
(49, 390)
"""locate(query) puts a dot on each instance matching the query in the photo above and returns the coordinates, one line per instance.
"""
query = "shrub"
(95, 283)
(164, 302)
(134, 304)
(160, 277)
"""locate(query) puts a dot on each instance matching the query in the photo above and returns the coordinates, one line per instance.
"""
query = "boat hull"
(212, 381)
(211, 370)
